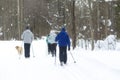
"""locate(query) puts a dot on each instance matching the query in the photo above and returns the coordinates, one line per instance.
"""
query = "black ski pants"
(27, 50)
(49, 48)
(63, 54)
(53, 49)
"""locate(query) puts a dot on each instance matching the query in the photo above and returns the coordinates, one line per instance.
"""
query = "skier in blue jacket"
(63, 41)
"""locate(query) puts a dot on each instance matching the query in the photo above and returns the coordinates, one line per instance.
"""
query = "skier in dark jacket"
(27, 37)
(63, 41)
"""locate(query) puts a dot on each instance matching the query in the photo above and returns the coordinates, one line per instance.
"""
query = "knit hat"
(63, 29)
(27, 27)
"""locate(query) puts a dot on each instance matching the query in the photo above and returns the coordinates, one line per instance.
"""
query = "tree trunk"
(106, 19)
(4, 19)
(91, 25)
(73, 26)
(20, 17)
(18, 14)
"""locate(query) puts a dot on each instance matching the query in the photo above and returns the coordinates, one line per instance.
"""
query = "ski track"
(43, 66)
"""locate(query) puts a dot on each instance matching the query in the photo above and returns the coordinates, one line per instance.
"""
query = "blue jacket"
(62, 38)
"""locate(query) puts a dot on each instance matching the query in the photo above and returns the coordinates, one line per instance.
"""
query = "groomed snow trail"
(89, 65)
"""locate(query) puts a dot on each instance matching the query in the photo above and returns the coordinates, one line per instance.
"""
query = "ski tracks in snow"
(43, 66)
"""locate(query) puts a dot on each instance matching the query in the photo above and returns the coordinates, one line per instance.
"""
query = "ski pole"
(54, 53)
(32, 50)
(72, 57)
(55, 59)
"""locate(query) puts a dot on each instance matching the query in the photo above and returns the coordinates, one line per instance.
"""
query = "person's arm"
(32, 37)
(68, 39)
(56, 38)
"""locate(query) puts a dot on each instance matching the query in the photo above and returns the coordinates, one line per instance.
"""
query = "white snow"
(90, 65)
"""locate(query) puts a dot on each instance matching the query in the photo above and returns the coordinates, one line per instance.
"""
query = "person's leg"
(55, 45)
(48, 48)
(27, 50)
(61, 55)
(65, 54)
(52, 49)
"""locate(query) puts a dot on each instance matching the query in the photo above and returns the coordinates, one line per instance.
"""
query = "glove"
(68, 48)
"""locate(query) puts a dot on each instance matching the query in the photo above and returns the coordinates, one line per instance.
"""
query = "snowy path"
(89, 65)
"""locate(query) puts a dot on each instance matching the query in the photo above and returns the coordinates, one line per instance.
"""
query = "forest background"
(90, 20)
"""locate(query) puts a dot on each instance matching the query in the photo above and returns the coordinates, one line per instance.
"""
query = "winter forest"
(90, 20)
(92, 25)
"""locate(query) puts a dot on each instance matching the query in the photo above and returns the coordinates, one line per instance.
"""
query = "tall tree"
(73, 25)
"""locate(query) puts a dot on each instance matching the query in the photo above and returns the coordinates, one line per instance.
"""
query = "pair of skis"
(71, 56)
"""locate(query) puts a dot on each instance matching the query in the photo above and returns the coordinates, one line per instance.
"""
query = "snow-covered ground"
(90, 65)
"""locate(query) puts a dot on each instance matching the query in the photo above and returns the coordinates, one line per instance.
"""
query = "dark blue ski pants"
(27, 50)
(63, 54)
